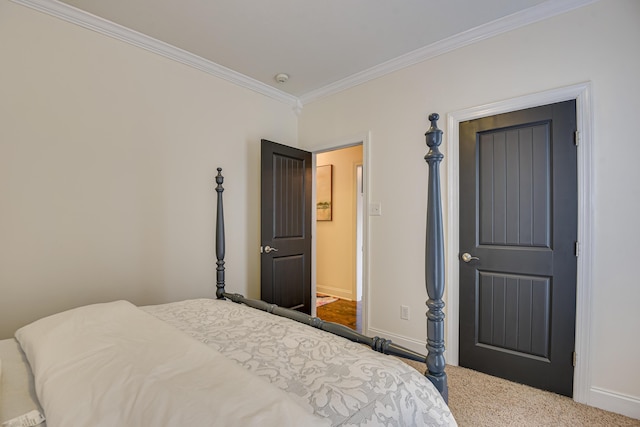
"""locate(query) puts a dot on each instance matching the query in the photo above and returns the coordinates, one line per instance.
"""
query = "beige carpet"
(479, 400)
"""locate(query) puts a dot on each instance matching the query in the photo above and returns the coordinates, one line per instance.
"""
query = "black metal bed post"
(219, 237)
(434, 264)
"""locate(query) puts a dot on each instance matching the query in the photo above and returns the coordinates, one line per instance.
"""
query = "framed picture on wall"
(324, 187)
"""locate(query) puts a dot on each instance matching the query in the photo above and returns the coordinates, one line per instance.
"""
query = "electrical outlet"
(404, 312)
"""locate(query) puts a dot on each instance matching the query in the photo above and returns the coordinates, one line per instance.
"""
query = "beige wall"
(107, 163)
(597, 44)
(336, 239)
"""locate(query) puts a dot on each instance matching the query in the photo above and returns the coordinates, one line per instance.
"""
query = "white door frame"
(364, 139)
(582, 94)
(359, 172)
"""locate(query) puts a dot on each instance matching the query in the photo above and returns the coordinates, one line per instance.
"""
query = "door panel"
(286, 226)
(518, 216)
(514, 313)
(515, 186)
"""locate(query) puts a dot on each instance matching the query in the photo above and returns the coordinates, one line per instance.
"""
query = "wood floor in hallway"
(348, 313)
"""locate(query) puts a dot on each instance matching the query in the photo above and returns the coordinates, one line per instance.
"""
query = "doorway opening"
(339, 236)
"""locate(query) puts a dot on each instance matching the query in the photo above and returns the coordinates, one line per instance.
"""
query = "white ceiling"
(318, 43)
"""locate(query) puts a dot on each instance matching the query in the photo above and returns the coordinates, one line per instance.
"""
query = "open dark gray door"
(518, 231)
(286, 226)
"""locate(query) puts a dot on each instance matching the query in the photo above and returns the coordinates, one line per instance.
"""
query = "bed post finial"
(219, 237)
(434, 263)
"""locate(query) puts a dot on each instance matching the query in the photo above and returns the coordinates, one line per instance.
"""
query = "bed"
(227, 360)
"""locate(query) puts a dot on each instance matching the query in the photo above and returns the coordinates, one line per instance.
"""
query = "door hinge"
(576, 138)
(577, 249)
(574, 358)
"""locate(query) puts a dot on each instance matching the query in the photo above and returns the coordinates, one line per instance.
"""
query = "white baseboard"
(615, 402)
(335, 292)
(410, 343)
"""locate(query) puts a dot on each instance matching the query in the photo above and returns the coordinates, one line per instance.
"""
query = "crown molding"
(84, 19)
(92, 22)
(528, 16)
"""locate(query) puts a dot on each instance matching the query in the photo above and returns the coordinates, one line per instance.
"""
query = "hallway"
(344, 312)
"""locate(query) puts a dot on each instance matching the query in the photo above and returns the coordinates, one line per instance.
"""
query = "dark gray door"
(286, 226)
(518, 216)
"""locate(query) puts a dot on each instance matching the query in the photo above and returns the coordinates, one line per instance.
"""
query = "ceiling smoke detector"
(282, 77)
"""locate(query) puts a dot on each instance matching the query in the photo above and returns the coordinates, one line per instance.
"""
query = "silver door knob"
(268, 249)
(467, 257)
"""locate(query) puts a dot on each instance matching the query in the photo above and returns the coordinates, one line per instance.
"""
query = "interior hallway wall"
(336, 239)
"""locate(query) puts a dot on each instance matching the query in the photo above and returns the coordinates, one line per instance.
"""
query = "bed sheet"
(112, 364)
(342, 381)
(345, 382)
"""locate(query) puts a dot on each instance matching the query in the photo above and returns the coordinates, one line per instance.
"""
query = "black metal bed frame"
(434, 275)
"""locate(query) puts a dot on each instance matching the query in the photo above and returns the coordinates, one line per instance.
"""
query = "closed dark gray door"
(286, 226)
(518, 217)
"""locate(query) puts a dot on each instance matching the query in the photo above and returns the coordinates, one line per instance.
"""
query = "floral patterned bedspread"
(347, 383)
